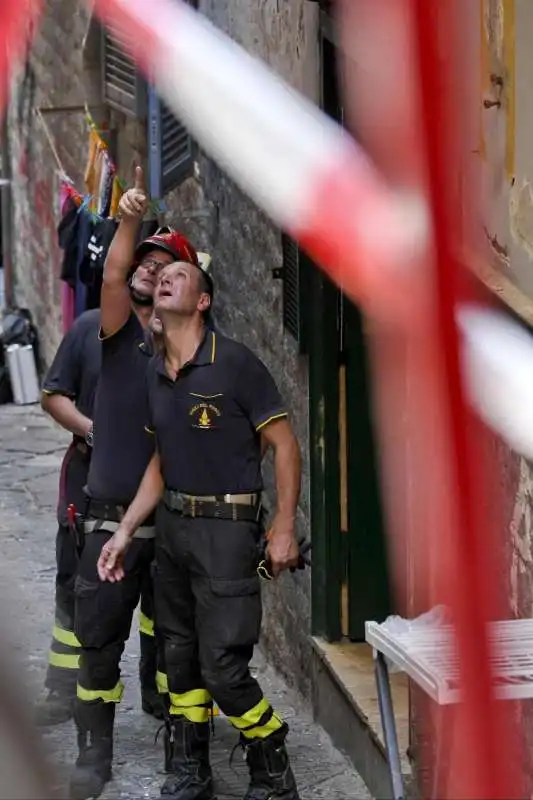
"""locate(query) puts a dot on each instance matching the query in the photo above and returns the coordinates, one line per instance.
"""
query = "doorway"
(350, 570)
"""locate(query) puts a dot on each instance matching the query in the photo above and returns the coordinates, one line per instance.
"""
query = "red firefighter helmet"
(172, 242)
(179, 247)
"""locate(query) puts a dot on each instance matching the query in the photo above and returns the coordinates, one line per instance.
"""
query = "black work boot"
(271, 776)
(55, 708)
(153, 703)
(94, 722)
(187, 760)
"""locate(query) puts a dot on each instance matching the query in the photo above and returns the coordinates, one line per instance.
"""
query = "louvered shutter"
(176, 151)
(170, 148)
(294, 290)
(123, 87)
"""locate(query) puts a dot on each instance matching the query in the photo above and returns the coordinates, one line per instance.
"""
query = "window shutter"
(176, 151)
(170, 148)
(124, 88)
(294, 298)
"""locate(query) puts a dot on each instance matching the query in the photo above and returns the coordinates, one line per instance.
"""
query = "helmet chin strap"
(140, 299)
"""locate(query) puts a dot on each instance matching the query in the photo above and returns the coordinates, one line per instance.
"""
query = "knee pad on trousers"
(100, 668)
(182, 667)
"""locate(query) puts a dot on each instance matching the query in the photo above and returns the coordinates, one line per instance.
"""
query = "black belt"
(111, 512)
(82, 447)
(213, 508)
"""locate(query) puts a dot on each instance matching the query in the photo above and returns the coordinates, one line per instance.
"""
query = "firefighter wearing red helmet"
(121, 450)
(213, 408)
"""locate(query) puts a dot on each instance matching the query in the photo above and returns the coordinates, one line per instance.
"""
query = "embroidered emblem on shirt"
(205, 416)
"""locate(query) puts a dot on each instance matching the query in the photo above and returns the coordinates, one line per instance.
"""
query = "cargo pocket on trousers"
(236, 611)
(103, 611)
(87, 616)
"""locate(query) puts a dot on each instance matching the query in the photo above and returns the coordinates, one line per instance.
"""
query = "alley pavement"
(31, 449)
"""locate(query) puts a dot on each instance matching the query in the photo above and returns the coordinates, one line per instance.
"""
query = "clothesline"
(50, 140)
(98, 149)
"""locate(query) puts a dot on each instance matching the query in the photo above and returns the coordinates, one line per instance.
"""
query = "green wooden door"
(367, 576)
(350, 573)
(350, 576)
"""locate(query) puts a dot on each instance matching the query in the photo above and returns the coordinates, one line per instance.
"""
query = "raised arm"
(115, 304)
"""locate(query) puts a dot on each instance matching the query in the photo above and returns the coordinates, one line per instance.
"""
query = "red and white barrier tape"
(302, 169)
(295, 163)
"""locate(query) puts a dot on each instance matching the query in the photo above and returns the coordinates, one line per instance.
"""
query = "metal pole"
(386, 710)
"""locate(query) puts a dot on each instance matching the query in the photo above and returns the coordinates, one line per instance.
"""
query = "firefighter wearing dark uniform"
(121, 452)
(211, 400)
(68, 396)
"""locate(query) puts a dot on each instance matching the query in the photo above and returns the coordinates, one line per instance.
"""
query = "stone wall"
(64, 71)
(246, 247)
(53, 77)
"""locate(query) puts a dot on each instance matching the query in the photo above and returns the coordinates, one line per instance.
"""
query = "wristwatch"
(89, 436)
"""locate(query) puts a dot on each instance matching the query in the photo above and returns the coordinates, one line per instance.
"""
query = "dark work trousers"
(103, 617)
(208, 611)
(63, 657)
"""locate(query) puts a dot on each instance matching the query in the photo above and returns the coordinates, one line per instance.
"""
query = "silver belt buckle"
(178, 502)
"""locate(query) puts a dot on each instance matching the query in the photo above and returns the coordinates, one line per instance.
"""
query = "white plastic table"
(428, 656)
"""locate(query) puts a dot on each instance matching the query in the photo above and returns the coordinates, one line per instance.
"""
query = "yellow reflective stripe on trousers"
(196, 697)
(161, 681)
(193, 705)
(193, 714)
(107, 695)
(249, 724)
(262, 731)
(146, 625)
(63, 661)
(65, 637)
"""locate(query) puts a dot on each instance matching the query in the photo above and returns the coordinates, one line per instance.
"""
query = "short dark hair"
(205, 288)
(203, 283)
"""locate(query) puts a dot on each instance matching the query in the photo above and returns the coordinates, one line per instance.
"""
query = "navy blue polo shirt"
(207, 422)
(74, 373)
(122, 448)
(75, 369)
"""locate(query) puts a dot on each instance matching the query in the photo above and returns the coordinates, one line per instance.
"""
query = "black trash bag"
(18, 328)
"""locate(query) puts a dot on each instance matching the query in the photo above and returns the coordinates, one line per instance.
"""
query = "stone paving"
(31, 449)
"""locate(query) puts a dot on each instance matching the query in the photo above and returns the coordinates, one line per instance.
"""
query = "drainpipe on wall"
(6, 208)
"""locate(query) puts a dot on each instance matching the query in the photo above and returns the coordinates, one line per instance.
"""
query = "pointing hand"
(134, 203)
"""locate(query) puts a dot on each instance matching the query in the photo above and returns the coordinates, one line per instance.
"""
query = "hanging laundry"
(106, 185)
(116, 193)
(67, 232)
(66, 191)
(89, 176)
(86, 221)
(96, 165)
(91, 269)
(88, 226)
(74, 232)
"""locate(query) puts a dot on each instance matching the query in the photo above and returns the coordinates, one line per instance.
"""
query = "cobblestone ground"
(31, 449)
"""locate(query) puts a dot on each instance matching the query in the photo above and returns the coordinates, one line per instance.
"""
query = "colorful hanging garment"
(116, 193)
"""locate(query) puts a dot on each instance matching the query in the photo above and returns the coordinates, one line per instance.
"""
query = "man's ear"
(204, 303)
